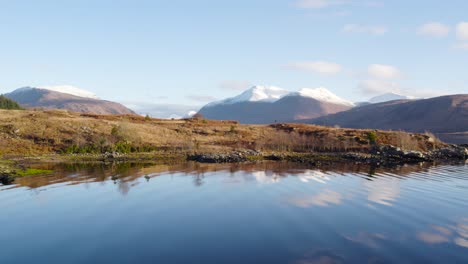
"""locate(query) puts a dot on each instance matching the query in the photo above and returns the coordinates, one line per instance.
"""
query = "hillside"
(30, 97)
(443, 115)
(47, 132)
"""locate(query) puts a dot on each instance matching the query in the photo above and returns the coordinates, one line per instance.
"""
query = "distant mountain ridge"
(269, 104)
(32, 97)
(442, 115)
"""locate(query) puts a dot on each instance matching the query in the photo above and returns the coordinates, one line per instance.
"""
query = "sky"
(178, 54)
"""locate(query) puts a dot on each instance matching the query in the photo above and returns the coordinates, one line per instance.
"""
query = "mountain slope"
(31, 97)
(445, 114)
(263, 105)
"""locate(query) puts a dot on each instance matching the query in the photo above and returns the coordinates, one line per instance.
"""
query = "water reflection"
(382, 189)
(458, 234)
(237, 213)
(323, 198)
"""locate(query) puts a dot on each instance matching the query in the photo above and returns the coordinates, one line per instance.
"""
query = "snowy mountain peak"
(261, 93)
(257, 93)
(389, 97)
(324, 95)
(272, 94)
(69, 89)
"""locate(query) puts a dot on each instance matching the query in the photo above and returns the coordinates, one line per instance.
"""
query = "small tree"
(372, 137)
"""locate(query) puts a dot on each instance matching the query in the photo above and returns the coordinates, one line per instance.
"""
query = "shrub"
(372, 137)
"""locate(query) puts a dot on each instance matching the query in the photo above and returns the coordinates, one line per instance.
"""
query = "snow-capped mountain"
(256, 94)
(269, 104)
(66, 89)
(272, 94)
(322, 94)
(389, 97)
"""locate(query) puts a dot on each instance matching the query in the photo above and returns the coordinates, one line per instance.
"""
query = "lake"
(236, 213)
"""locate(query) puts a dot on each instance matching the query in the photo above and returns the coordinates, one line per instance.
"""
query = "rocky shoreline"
(378, 155)
(384, 155)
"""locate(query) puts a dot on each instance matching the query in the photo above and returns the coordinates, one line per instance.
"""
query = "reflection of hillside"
(266, 172)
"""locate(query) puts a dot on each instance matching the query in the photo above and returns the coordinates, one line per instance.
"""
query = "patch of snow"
(69, 89)
(256, 94)
(324, 95)
(272, 94)
(191, 113)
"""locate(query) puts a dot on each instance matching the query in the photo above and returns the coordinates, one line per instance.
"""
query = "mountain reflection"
(382, 189)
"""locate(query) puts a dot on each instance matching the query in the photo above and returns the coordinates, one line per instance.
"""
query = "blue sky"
(190, 52)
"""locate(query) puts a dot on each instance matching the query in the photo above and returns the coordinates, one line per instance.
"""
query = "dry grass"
(45, 132)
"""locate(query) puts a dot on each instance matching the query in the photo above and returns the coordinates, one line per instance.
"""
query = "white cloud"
(318, 3)
(434, 29)
(356, 28)
(235, 85)
(462, 31)
(381, 71)
(322, 67)
(378, 87)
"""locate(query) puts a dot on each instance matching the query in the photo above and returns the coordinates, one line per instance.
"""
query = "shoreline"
(13, 167)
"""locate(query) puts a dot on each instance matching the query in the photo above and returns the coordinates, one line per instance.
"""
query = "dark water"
(267, 213)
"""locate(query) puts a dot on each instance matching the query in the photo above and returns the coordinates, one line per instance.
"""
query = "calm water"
(267, 213)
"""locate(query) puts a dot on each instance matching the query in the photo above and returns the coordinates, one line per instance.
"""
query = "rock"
(232, 157)
(451, 152)
(112, 155)
(6, 179)
(414, 155)
(388, 151)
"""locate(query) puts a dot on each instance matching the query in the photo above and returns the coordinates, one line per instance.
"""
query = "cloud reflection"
(313, 175)
(438, 234)
(383, 191)
(325, 198)
(263, 177)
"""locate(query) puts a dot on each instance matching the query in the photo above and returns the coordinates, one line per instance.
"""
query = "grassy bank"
(28, 137)
(33, 133)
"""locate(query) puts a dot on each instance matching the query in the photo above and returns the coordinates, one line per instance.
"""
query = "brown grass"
(54, 131)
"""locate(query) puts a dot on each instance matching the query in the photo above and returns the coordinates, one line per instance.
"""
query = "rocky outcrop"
(233, 157)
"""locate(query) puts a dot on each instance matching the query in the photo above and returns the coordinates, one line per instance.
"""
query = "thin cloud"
(434, 29)
(235, 85)
(201, 98)
(374, 87)
(365, 29)
(317, 4)
(321, 67)
(320, 4)
(462, 31)
(382, 71)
